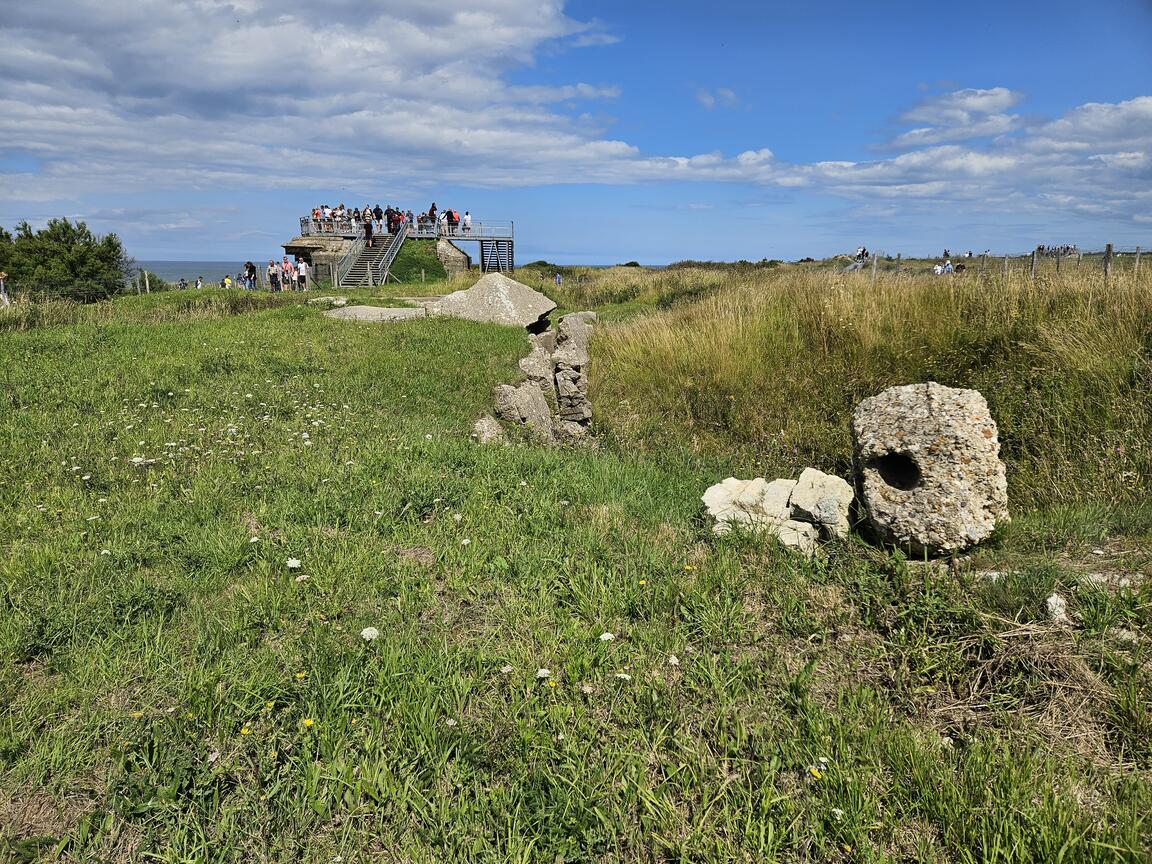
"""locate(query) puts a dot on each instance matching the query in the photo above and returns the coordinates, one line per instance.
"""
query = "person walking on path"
(273, 276)
(559, 278)
(302, 267)
(368, 232)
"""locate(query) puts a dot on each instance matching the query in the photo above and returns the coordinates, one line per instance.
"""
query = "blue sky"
(607, 131)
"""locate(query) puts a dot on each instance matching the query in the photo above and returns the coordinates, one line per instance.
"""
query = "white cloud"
(958, 116)
(721, 97)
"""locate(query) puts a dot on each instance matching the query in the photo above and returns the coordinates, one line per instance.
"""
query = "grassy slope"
(184, 696)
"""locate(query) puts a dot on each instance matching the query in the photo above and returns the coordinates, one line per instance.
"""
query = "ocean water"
(212, 271)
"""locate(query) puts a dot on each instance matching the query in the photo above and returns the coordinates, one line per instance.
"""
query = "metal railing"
(379, 268)
(489, 230)
(346, 262)
(475, 231)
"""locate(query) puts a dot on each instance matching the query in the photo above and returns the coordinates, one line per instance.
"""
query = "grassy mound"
(417, 255)
(200, 518)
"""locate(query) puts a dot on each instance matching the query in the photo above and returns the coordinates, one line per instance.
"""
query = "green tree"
(65, 259)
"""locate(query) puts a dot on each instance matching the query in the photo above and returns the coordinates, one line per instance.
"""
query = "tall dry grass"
(771, 364)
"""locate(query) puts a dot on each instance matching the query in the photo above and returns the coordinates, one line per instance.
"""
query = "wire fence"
(1038, 263)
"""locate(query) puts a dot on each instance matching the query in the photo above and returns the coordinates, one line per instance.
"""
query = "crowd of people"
(1063, 251)
(369, 220)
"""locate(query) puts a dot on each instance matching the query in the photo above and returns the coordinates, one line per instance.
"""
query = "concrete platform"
(376, 313)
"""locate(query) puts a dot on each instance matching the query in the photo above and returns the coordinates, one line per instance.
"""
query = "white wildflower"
(457, 518)
(607, 637)
(293, 563)
(586, 689)
(505, 669)
(465, 542)
(543, 673)
(369, 634)
(623, 676)
(450, 722)
(673, 660)
(253, 539)
(105, 551)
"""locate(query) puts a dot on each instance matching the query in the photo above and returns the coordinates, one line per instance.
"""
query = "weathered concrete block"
(928, 469)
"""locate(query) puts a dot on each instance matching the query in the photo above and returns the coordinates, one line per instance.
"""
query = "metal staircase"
(371, 265)
(496, 256)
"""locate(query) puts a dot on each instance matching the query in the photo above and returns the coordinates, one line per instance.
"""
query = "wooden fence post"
(983, 263)
(147, 284)
(1033, 264)
(875, 258)
(1136, 265)
(1057, 262)
(897, 263)
(1107, 260)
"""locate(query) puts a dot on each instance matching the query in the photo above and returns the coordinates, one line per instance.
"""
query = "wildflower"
(300, 676)
(253, 539)
(543, 673)
(607, 637)
(190, 716)
(303, 577)
(586, 689)
(293, 563)
(245, 731)
(673, 660)
(837, 813)
(308, 722)
(553, 684)
(86, 477)
(623, 676)
(505, 669)
(450, 723)
(368, 634)
(465, 542)
(457, 518)
(136, 715)
(643, 582)
(269, 705)
(815, 772)
(105, 551)
(213, 756)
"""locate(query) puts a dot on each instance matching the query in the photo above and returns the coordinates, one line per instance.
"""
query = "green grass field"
(204, 501)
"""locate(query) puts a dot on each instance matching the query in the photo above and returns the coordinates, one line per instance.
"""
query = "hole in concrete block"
(898, 470)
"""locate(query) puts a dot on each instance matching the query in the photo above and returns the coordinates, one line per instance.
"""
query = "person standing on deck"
(467, 222)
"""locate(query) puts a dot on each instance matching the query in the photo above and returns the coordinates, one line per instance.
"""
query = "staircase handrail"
(380, 267)
(349, 258)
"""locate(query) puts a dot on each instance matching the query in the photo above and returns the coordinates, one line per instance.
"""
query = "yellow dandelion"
(643, 582)
(245, 731)
(815, 772)
(553, 684)
(300, 676)
(355, 720)
(137, 714)
(272, 754)
(190, 716)
(308, 721)
(269, 705)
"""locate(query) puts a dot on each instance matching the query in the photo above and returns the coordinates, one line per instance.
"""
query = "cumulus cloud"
(958, 116)
(721, 97)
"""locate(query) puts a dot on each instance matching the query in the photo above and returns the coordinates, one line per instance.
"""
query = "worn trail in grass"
(173, 690)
